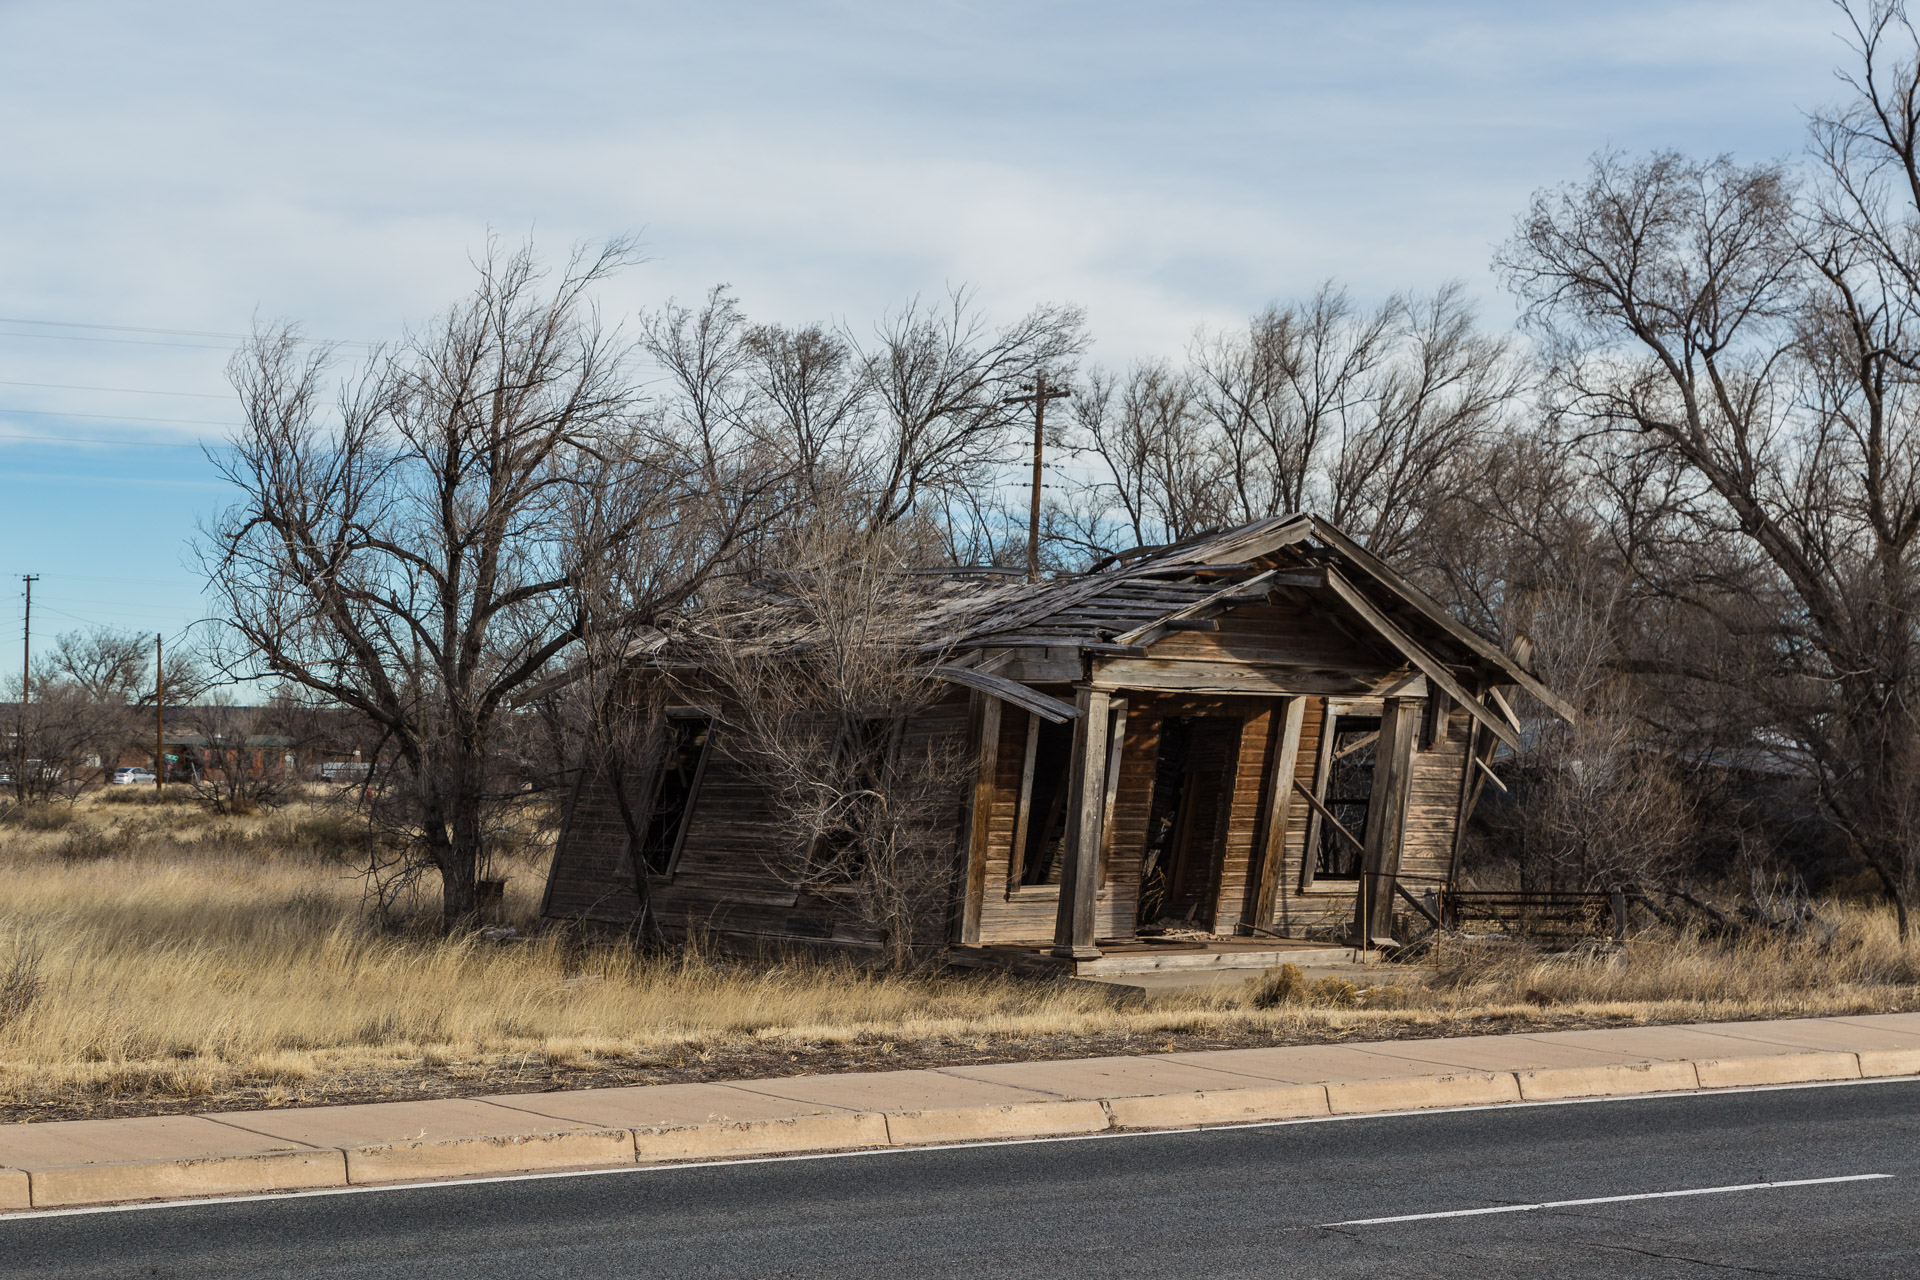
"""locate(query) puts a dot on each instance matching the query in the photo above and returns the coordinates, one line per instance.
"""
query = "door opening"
(1186, 823)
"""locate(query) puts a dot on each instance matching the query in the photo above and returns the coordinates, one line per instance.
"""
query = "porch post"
(1386, 818)
(1080, 881)
(1270, 846)
(984, 734)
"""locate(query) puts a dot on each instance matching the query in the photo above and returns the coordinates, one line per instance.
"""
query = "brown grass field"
(155, 958)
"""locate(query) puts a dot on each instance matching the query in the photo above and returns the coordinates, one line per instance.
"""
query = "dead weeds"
(198, 963)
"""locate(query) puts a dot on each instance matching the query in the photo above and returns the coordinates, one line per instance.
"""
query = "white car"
(132, 777)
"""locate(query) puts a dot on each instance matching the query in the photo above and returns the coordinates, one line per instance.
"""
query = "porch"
(1151, 956)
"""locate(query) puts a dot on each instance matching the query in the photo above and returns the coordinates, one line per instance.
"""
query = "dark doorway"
(1186, 823)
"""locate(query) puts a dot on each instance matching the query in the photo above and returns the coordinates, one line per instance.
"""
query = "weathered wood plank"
(1074, 930)
(1278, 795)
(1386, 817)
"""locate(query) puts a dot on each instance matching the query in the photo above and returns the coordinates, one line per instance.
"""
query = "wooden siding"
(727, 878)
(1301, 638)
(1434, 807)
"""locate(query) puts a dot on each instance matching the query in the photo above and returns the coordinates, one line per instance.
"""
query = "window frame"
(1023, 815)
(678, 847)
(1332, 712)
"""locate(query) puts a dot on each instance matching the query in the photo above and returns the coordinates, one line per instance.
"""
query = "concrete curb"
(1227, 1106)
(760, 1137)
(1551, 1084)
(1477, 1089)
(62, 1185)
(1889, 1062)
(1779, 1068)
(468, 1157)
(69, 1185)
(1011, 1120)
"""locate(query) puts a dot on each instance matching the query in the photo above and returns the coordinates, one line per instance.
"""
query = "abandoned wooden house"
(1264, 733)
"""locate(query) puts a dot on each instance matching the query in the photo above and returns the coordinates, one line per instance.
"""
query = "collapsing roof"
(961, 619)
(1255, 730)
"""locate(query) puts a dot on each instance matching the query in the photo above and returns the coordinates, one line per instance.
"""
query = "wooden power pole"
(26, 647)
(26, 689)
(1038, 398)
(159, 724)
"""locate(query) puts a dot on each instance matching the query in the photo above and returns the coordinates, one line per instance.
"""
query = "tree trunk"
(459, 896)
(453, 844)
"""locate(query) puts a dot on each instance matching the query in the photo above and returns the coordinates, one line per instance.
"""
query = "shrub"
(20, 980)
(1278, 986)
(1288, 985)
(37, 816)
(137, 795)
(87, 843)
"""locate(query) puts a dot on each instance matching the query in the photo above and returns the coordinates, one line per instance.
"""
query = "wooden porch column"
(1086, 784)
(1264, 881)
(984, 734)
(1386, 819)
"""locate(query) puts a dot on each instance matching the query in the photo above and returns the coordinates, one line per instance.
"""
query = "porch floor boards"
(1146, 956)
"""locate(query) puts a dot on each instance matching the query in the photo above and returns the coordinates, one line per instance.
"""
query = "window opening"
(1348, 795)
(1046, 803)
(864, 759)
(680, 771)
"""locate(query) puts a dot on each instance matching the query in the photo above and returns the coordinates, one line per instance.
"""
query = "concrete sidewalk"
(80, 1162)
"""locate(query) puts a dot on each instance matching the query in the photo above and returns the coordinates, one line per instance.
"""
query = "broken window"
(680, 771)
(1347, 792)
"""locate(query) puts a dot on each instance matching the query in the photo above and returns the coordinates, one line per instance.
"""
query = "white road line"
(1644, 1195)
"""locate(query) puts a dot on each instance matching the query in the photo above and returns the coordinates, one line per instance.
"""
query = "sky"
(171, 173)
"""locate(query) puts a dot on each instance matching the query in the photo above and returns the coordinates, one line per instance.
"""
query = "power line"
(125, 328)
(131, 391)
(136, 342)
(9, 438)
(176, 333)
(121, 417)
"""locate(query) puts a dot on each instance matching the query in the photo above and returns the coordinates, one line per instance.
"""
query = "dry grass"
(153, 958)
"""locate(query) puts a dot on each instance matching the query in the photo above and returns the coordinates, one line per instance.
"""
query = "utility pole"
(159, 724)
(1038, 398)
(26, 646)
(26, 689)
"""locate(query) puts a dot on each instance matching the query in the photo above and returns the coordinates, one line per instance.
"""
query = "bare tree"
(1743, 347)
(940, 375)
(47, 739)
(430, 553)
(239, 763)
(1152, 471)
(112, 671)
(823, 689)
(1366, 417)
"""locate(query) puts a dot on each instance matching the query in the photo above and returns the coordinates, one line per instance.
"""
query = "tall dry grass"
(156, 954)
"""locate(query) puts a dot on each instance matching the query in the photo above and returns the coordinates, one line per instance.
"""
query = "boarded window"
(686, 759)
(1348, 794)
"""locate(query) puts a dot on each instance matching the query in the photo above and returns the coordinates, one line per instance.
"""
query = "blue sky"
(186, 167)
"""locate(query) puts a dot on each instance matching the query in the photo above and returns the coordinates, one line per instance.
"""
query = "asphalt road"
(1221, 1203)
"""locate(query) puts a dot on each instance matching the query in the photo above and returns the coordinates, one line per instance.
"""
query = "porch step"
(1210, 958)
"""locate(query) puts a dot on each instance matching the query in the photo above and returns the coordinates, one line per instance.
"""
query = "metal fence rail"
(1530, 913)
